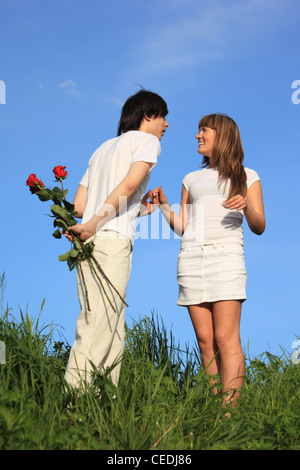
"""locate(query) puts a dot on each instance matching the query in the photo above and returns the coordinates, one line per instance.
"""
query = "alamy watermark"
(2, 353)
(296, 94)
(154, 227)
(296, 354)
(2, 92)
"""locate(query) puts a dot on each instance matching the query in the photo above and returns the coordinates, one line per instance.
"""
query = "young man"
(109, 199)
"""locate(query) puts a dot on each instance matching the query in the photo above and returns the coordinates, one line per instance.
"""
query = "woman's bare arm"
(177, 222)
(252, 206)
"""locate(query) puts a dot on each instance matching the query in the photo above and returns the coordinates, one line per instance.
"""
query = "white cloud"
(117, 101)
(71, 88)
(202, 32)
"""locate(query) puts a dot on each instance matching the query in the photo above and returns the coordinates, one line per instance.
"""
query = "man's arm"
(147, 207)
(80, 200)
(117, 199)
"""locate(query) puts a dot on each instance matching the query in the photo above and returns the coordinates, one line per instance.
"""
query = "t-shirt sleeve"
(252, 177)
(85, 179)
(146, 149)
(186, 182)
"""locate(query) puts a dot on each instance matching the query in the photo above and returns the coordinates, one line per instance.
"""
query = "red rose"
(59, 172)
(34, 183)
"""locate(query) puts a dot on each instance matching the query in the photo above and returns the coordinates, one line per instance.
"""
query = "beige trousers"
(99, 338)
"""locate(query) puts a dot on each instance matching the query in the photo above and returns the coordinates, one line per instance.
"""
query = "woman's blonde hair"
(228, 154)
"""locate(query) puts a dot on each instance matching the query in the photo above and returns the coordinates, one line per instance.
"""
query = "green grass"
(163, 402)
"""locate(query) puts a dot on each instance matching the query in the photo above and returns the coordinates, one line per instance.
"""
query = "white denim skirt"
(210, 273)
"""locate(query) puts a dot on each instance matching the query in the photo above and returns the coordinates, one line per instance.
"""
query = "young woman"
(211, 270)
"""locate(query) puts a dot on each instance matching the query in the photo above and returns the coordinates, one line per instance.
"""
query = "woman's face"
(206, 138)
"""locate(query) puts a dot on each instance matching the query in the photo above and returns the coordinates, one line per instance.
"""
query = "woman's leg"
(202, 320)
(226, 320)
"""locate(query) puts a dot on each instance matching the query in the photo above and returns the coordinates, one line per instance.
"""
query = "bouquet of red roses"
(64, 215)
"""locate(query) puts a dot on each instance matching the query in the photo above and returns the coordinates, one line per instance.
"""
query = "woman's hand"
(158, 196)
(176, 222)
(253, 207)
(237, 202)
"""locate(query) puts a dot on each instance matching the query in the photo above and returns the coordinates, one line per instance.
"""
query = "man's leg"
(95, 329)
(114, 357)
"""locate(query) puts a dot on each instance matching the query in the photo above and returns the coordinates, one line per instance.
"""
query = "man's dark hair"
(143, 103)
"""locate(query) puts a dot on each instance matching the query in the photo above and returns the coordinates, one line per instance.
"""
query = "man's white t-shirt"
(108, 167)
(209, 220)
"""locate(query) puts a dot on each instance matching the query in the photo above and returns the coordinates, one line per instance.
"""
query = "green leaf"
(59, 211)
(58, 194)
(44, 195)
(56, 234)
(70, 207)
(65, 256)
(73, 253)
(71, 263)
(60, 223)
(70, 220)
(89, 247)
(76, 244)
(82, 256)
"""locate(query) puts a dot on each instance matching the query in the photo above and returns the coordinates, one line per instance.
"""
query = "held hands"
(147, 206)
(149, 203)
(159, 196)
(152, 200)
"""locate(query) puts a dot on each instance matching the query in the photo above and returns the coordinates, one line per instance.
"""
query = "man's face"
(157, 126)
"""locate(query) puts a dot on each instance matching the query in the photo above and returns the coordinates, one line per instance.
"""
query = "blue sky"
(69, 65)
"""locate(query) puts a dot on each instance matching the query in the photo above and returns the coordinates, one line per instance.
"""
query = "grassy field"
(163, 402)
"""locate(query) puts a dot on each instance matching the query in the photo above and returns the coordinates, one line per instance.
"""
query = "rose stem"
(84, 285)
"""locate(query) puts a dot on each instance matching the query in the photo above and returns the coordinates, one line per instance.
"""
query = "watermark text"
(2, 92)
(2, 353)
(155, 226)
(296, 94)
(296, 354)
